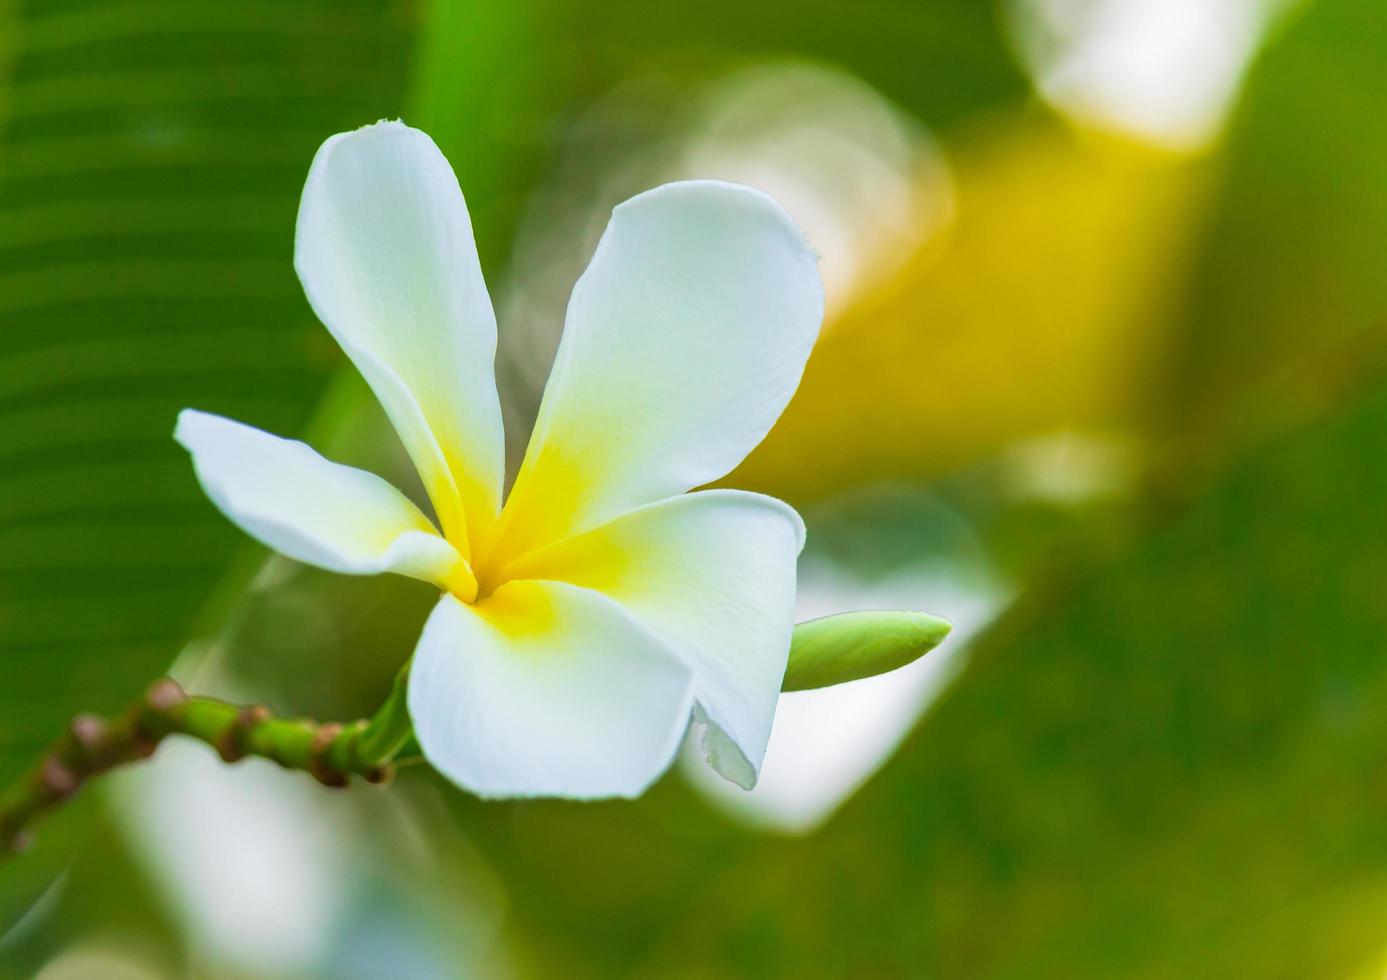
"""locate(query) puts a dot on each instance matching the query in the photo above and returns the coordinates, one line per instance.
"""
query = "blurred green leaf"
(498, 85)
(1289, 303)
(109, 886)
(150, 162)
(849, 646)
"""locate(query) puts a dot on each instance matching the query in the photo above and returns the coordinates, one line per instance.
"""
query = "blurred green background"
(1103, 379)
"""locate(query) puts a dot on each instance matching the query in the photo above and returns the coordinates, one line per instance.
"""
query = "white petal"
(685, 339)
(545, 689)
(713, 575)
(385, 251)
(287, 496)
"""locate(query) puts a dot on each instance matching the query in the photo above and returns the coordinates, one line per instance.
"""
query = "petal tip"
(187, 417)
(751, 202)
(722, 753)
(384, 123)
(192, 424)
(744, 195)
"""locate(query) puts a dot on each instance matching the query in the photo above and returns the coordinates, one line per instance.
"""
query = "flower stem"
(332, 753)
(390, 728)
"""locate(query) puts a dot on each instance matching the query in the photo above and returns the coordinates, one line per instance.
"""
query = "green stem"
(330, 752)
(390, 729)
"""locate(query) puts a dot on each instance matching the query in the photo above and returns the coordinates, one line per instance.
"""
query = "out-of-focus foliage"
(150, 164)
(494, 83)
(1164, 761)
(1292, 283)
(151, 161)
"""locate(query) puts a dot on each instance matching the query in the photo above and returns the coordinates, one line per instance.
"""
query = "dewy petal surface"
(385, 251)
(713, 575)
(546, 689)
(290, 498)
(683, 342)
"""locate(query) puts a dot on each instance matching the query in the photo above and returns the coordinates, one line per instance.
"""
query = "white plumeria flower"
(583, 624)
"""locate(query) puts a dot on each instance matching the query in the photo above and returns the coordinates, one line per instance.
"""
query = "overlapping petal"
(385, 251)
(712, 574)
(290, 498)
(546, 689)
(683, 342)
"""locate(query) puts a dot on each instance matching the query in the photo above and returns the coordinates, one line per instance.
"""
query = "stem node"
(332, 753)
(56, 780)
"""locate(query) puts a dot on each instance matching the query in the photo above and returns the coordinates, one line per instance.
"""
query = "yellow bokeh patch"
(1038, 308)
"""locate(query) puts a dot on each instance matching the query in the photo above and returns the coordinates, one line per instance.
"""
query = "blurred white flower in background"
(254, 863)
(1166, 71)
